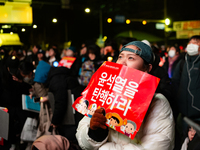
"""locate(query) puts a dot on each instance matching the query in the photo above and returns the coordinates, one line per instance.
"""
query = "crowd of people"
(36, 73)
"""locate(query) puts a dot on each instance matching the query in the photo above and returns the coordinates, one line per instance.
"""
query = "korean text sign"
(125, 93)
(67, 61)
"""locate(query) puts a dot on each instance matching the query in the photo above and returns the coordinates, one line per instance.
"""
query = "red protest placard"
(125, 93)
(67, 61)
(4, 126)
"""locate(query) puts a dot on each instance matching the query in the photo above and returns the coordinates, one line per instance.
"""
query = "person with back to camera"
(157, 129)
(91, 65)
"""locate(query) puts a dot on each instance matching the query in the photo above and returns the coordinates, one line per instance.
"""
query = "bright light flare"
(54, 20)
(144, 22)
(109, 20)
(87, 10)
(167, 21)
(34, 26)
(128, 21)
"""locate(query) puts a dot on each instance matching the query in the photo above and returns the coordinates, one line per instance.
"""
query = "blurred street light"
(128, 21)
(87, 10)
(109, 20)
(23, 30)
(6, 26)
(54, 20)
(104, 38)
(144, 22)
(11, 32)
(148, 20)
(167, 21)
(34, 26)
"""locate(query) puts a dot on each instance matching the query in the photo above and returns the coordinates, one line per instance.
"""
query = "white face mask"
(172, 53)
(192, 49)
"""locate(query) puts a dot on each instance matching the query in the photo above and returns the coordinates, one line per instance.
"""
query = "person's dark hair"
(195, 37)
(155, 50)
(127, 40)
(146, 66)
(37, 46)
(111, 43)
(94, 49)
(57, 54)
(87, 43)
(86, 102)
(5, 77)
(26, 67)
(176, 47)
(115, 118)
(54, 49)
(34, 148)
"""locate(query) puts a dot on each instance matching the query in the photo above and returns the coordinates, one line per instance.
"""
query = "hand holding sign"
(98, 120)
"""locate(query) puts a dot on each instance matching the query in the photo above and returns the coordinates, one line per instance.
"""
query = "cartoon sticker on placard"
(113, 120)
(82, 106)
(128, 128)
(91, 110)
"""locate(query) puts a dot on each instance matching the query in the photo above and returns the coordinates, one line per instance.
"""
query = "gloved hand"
(98, 120)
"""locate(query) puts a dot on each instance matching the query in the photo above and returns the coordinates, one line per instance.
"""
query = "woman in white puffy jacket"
(157, 129)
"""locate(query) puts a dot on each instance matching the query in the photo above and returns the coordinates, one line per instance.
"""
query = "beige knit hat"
(51, 142)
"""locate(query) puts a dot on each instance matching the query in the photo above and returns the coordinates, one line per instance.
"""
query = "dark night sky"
(82, 26)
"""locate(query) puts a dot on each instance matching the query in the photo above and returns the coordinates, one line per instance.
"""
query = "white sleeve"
(153, 142)
(158, 130)
(85, 142)
(185, 144)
